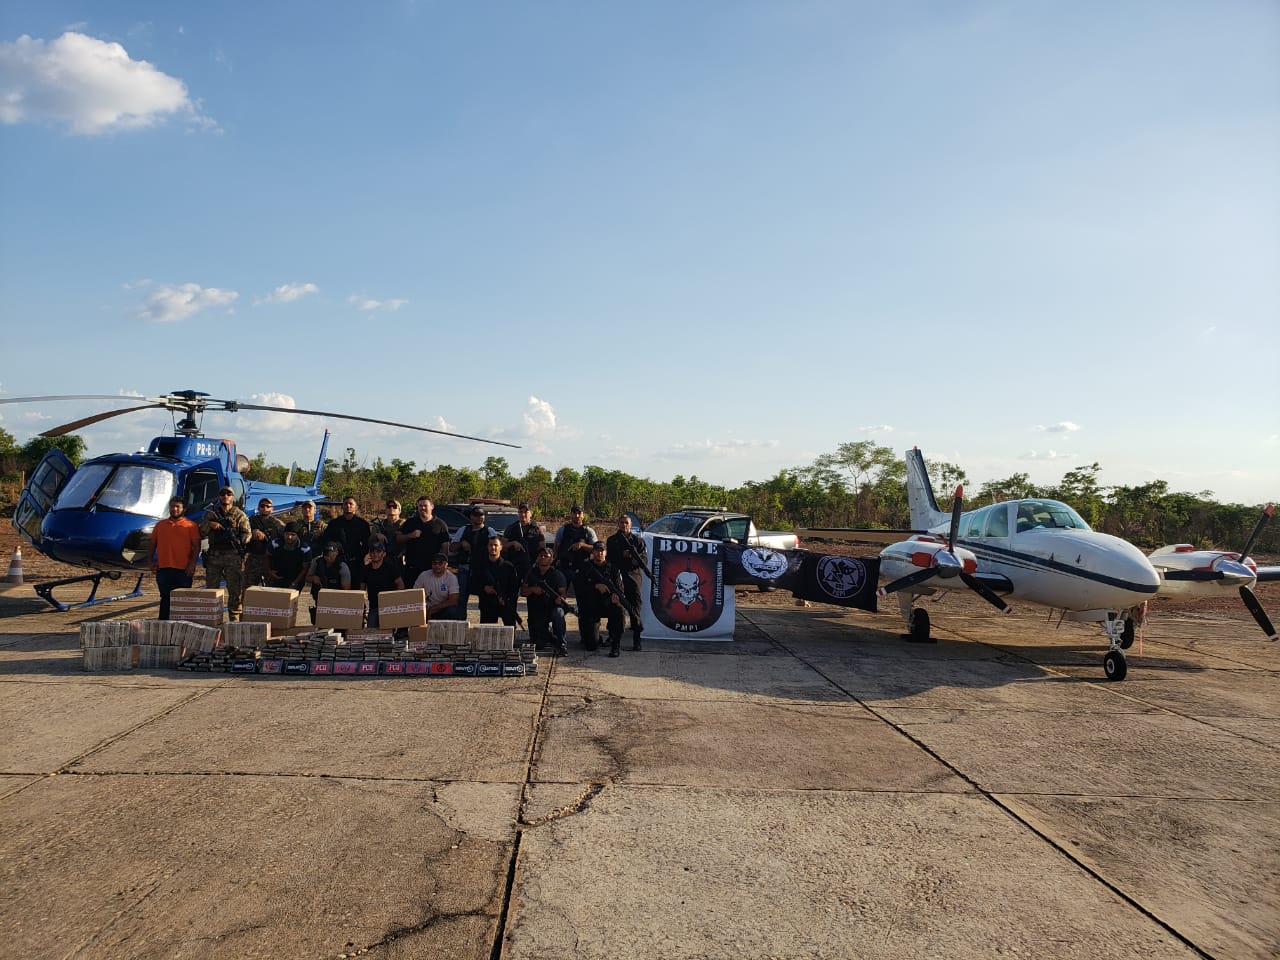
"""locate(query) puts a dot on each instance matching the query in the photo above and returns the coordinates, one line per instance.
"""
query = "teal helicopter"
(100, 515)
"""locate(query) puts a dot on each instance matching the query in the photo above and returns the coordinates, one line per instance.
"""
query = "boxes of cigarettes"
(199, 606)
(402, 608)
(342, 609)
(277, 606)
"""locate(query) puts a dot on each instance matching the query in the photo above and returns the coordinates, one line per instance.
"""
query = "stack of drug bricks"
(146, 644)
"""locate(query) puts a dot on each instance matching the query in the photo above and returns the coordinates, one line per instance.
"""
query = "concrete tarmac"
(818, 788)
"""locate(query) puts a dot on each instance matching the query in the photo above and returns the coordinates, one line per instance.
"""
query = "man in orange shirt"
(176, 543)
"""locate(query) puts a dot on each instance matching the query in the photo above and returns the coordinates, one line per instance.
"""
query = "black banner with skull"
(763, 567)
(686, 595)
(844, 581)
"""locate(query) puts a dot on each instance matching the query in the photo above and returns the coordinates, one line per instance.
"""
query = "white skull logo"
(688, 588)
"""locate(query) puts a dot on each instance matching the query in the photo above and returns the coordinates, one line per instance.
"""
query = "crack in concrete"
(579, 805)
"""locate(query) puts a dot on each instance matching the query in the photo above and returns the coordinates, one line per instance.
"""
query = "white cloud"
(440, 423)
(538, 426)
(368, 303)
(622, 453)
(714, 449)
(1063, 426)
(90, 85)
(287, 293)
(879, 428)
(177, 302)
(1044, 455)
(266, 421)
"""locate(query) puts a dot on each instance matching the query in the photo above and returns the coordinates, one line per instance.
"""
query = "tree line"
(860, 484)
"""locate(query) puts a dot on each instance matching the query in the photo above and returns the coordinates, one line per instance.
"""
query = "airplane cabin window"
(973, 524)
(998, 521)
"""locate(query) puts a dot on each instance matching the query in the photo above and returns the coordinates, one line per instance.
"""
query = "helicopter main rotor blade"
(87, 396)
(86, 421)
(233, 405)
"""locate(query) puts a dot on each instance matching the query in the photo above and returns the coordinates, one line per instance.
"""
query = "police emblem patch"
(764, 563)
(841, 577)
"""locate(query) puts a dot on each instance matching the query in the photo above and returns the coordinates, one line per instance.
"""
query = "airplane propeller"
(1247, 595)
(945, 564)
(192, 402)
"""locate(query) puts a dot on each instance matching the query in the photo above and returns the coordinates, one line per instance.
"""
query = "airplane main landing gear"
(918, 627)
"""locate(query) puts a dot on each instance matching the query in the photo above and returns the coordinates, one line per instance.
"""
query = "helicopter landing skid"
(45, 590)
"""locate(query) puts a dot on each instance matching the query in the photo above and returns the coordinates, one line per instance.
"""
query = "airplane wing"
(854, 534)
(1268, 573)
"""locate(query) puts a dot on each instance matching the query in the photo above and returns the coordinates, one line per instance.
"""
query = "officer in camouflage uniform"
(310, 530)
(267, 533)
(226, 528)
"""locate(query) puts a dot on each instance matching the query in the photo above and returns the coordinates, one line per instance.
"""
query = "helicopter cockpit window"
(84, 486)
(124, 487)
(201, 488)
(141, 490)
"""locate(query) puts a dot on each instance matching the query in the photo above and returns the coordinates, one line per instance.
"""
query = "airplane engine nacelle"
(1188, 572)
(925, 552)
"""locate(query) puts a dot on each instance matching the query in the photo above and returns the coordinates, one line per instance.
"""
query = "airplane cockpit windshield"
(1048, 514)
(124, 487)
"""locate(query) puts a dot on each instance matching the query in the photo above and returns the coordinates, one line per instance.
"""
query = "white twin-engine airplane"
(1043, 552)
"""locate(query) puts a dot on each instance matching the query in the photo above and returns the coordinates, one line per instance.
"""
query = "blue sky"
(668, 238)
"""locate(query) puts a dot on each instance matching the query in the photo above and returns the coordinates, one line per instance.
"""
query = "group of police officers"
(348, 552)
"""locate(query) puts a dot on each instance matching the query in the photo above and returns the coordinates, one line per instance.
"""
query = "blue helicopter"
(101, 514)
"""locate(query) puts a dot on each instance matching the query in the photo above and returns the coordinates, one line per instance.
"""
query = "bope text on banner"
(685, 594)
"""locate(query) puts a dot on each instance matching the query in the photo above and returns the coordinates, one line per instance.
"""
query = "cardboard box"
(343, 609)
(208, 607)
(402, 608)
(277, 606)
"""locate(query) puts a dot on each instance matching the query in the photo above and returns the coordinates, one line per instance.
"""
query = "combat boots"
(615, 645)
(635, 640)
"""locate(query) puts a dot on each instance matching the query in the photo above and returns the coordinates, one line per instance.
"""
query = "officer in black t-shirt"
(524, 540)
(573, 543)
(421, 537)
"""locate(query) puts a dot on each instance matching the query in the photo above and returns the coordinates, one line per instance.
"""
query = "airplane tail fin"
(324, 448)
(925, 514)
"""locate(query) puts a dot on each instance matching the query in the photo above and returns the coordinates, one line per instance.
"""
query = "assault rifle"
(539, 580)
(592, 573)
(639, 551)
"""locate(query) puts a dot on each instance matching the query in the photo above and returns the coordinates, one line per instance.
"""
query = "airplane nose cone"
(1132, 569)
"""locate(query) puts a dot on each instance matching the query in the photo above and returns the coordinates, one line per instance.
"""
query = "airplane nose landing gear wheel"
(1114, 666)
